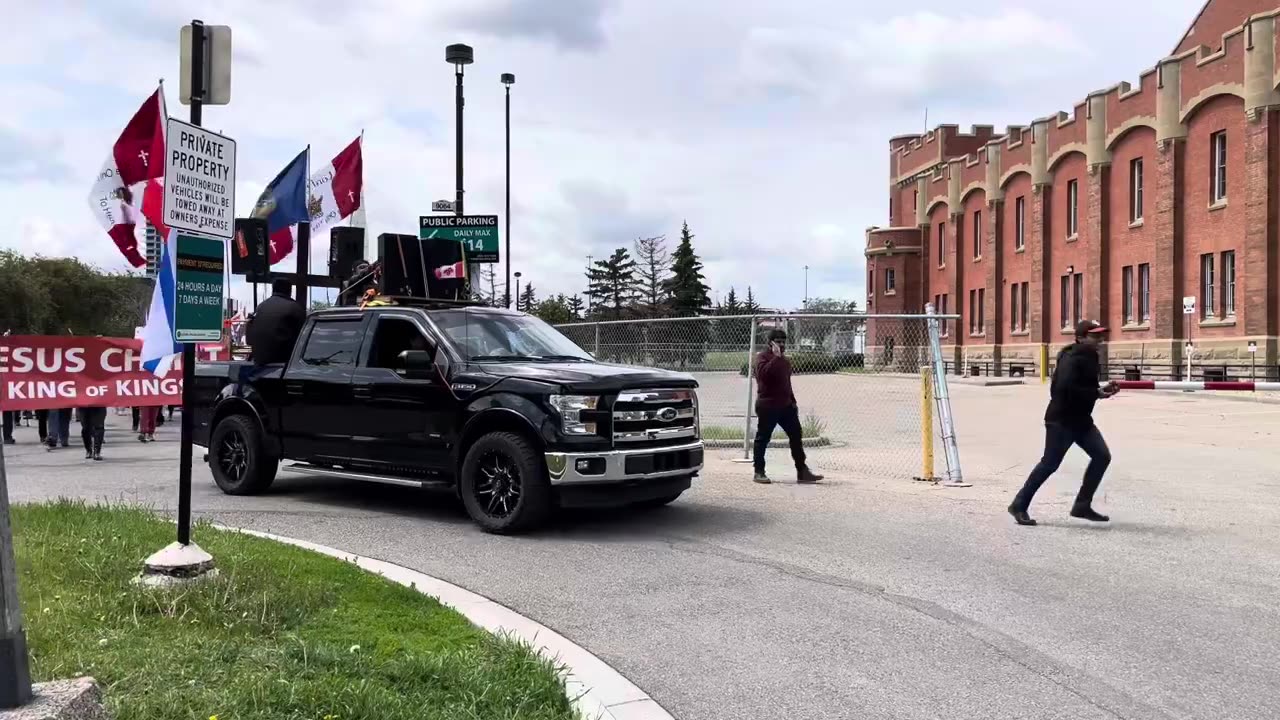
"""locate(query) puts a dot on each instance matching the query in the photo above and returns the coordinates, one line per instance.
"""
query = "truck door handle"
(293, 388)
(362, 392)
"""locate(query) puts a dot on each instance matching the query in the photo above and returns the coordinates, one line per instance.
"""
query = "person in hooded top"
(1069, 421)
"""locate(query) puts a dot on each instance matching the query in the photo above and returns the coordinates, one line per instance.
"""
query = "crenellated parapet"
(949, 163)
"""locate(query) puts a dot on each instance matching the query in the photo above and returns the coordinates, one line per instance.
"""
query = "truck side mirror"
(418, 364)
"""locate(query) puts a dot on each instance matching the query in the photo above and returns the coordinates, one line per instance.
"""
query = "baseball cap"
(1089, 327)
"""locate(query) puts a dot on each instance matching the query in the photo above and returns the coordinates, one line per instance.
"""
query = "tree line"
(63, 296)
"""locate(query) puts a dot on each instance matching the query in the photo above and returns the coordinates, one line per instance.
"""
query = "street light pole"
(806, 287)
(459, 56)
(508, 79)
(518, 291)
(15, 672)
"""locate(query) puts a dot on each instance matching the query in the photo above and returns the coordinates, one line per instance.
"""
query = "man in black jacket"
(1069, 421)
(275, 325)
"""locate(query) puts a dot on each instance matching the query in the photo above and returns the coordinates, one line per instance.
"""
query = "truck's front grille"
(655, 416)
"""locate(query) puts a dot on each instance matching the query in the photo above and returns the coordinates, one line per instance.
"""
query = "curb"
(597, 691)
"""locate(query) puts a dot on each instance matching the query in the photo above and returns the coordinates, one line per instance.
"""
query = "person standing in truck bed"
(275, 325)
(776, 407)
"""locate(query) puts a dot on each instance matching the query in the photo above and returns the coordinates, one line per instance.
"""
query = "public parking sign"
(199, 180)
(201, 292)
(477, 233)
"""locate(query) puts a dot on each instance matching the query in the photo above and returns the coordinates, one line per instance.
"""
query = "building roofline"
(1191, 27)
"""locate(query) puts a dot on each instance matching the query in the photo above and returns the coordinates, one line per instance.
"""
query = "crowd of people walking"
(53, 427)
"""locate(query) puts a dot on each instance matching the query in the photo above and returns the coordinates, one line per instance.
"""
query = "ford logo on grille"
(666, 414)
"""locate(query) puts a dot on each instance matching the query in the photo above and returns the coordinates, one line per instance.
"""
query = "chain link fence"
(857, 379)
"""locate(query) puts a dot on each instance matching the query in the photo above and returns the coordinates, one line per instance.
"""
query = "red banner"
(42, 372)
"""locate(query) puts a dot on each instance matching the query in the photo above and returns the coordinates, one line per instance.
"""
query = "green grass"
(282, 633)
(813, 427)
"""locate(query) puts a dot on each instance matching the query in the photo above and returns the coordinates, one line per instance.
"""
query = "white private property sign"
(1189, 305)
(199, 180)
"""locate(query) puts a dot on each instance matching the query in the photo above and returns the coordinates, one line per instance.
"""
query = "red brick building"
(1141, 196)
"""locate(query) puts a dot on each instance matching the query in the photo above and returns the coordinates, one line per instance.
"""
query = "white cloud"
(763, 124)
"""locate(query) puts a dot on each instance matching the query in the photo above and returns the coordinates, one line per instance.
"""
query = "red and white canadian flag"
(134, 165)
(450, 272)
(333, 194)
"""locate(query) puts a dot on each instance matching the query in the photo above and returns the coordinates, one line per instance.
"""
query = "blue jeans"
(1058, 440)
(59, 427)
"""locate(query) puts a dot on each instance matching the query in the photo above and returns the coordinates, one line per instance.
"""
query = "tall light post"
(459, 56)
(517, 291)
(508, 79)
(806, 287)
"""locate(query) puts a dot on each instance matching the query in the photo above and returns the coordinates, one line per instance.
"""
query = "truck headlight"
(697, 415)
(570, 409)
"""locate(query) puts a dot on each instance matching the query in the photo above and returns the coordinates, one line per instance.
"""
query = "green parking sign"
(477, 233)
(201, 289)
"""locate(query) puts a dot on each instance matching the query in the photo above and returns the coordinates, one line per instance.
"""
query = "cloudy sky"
(762, 123)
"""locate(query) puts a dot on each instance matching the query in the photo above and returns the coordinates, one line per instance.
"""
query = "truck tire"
(504, 484)
(237, 458)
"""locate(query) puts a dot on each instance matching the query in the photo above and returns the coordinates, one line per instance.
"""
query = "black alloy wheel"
(233, 456)
(497, 490)
(504, 483)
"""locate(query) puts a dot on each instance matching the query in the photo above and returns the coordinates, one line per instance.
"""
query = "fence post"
(954, 477)
(926, 423)
(597, 341)
(1044, 363)
(746, 416)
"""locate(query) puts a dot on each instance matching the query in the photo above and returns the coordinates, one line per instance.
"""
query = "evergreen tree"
(687, 285)
(652, 259)
(612, 284)
(576, 307)
(528, 299)
(554, 311)
(750, 307)
(731, 305)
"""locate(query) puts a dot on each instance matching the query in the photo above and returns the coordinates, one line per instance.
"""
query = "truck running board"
(309, 469)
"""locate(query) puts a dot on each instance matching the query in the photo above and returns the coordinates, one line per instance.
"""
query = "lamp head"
(508, 79)
(459, 54)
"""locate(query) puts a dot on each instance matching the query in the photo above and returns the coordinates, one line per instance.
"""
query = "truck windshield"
(481, 335)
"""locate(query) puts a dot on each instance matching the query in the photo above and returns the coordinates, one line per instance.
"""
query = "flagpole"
(304, 243)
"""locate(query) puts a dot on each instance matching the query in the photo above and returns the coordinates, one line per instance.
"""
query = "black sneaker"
(1020, 516)
(88, 454)
(97, 456)
(1088, 513)
(10, 441)
(761, 478)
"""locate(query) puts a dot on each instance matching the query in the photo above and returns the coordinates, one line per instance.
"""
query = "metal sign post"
(1188, 311)
(15, 672)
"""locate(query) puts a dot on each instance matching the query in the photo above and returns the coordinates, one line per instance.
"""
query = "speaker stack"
(346, 250)
(249, 248)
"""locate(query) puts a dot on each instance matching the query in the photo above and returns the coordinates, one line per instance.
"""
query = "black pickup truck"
(494, 404)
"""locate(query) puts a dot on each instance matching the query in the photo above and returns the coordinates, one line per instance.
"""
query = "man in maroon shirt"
(776, 407)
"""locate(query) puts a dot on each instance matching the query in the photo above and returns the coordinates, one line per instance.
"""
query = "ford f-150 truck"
(494, 404)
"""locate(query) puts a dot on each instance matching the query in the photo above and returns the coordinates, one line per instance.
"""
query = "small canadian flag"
(450, 272)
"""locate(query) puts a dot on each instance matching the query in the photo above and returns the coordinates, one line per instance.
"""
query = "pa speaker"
(249, 248)
(403, 267)
(346, 250)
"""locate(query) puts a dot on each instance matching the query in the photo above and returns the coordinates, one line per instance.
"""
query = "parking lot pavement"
(867, 596)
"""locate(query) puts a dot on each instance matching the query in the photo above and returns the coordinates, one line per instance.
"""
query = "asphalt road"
(867, 596)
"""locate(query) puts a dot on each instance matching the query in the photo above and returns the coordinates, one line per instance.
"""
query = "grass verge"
(812, 427)
(282, 633)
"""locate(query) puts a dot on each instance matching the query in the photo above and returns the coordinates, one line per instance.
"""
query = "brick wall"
(1189, 98)
(1214, 228)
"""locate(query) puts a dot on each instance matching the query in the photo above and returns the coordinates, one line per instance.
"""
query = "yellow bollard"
(926, 422)
(1044, 364)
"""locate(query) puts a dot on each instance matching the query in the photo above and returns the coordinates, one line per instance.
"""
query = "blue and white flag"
(158, 347)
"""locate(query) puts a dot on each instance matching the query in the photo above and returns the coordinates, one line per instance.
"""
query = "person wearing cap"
(776, 407)
(1069, 421)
